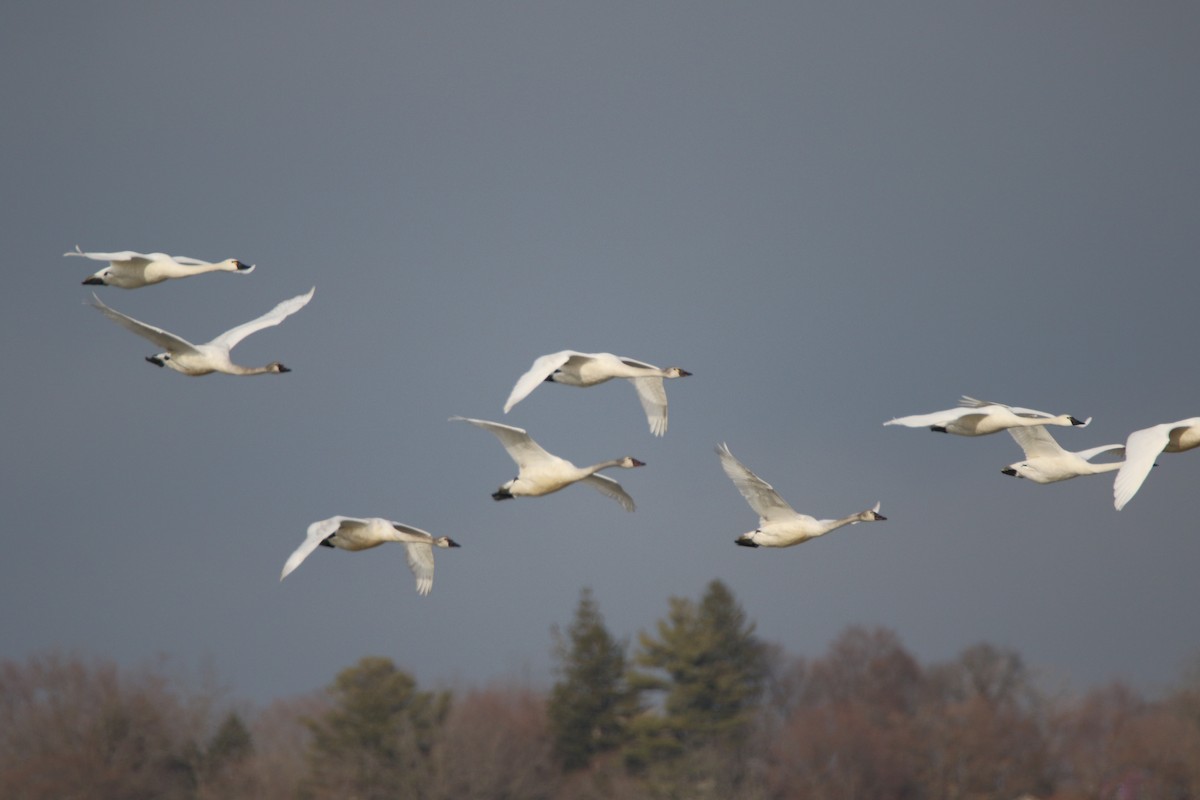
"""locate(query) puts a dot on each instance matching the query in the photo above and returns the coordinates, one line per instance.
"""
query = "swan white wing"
(276, 315)
(318, 532)
(1092, 452)
(521, 448)
(933, 418)
(971, 402)
(1141, 448)
(607, 486)
(761, 496)
(123, 255)
(542, 367)
(633, 362)
(1036, 441)
(654, 402)
(164, 339)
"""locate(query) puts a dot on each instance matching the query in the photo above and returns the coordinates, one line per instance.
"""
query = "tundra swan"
(588, 369)
(201, 359)
(1047, 462)
(979, 418)
(541, 473)
(351, 533)
(130, 270)
(1143, 446)
(778, 523)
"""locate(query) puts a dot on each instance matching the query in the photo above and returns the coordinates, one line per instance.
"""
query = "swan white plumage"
(572, 368)
(540, 473)
(201, 359)
(980, 417)
(778, 523)
(1047, 462)
(353, 533)
(129, 270)
(1143, 446)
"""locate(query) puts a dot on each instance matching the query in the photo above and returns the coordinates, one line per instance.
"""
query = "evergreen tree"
(375, 741)
(709, 666)
(589, 706)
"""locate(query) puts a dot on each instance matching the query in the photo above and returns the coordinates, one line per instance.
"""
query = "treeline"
(697, 707)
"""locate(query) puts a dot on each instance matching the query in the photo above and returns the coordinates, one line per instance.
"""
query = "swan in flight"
(778, 523)
(1142, 447)
(201, 359)
(541, 473)
(588, 369)
(130, 270)
(979, 418)
(351, 533)
(1047, 462)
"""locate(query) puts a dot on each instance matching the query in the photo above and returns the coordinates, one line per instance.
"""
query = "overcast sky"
(832, 214)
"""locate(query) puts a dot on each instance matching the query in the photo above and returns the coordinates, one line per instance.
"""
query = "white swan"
(571, 368)
(778, 523)
(130, 270)
(1047, 462)
(541, 473)
(1143, 446)
(352, 533)
(201, 359)
(979, 418)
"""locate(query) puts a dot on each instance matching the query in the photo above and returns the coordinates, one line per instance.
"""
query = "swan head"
(629, 462)
(159, 360)
(100, 278)
(504, 492)
(233, 265)
(675, 372)
(1012, 470)
(873, 515)
(1080, 423)
(445, 541)
(275, 366)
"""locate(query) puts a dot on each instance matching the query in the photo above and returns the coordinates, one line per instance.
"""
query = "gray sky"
(832, 214)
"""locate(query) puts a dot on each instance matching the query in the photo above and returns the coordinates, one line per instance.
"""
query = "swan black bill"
(155, 360)
(93, 281)
(745, 543)
(500, 494)
(1009, 471)
(879, 517)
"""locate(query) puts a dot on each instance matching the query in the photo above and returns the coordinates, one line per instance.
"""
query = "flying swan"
(778, 523)
(1143, 446)
(1047, 462)
(979, 418)
(571, 368)
(201, 359)
(352, 533)
(541, 473)
(130, 270)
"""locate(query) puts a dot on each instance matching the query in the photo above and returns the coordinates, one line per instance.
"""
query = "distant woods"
(697, 707)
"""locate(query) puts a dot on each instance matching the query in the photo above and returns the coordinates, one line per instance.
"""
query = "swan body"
(352, 533)
(1047, 462)
(201, 359)
(540, 473)
(1143, 446)
(778, 523)
(129, 270)
(979, 418)
(572, 368)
